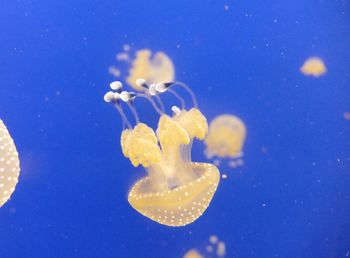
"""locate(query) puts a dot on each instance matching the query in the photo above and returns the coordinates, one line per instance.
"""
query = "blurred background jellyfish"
(176, 191)
(9, 165)
(313, 66)
(214, 248)
(225, 139)
(152, 67)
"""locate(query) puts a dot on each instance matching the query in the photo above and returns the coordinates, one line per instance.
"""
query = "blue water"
(290, 200)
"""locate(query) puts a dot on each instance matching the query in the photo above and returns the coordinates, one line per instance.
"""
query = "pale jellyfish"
(215, 248)
(175, 191)
(193, 253)
(314, 66)
(152, 67)
(226, 137)
(9, 165)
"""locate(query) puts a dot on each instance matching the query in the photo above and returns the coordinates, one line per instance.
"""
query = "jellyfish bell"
(176, 191)
(226, 137)
(9, 165)
(313, 66)
(193, 253)
(153, 68)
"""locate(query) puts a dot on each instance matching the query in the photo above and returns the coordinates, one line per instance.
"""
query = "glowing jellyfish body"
(9, 165)
(176, 191)
(313, 66)
(226, 137)
(193, 253)
(154, 68)
(214, 248)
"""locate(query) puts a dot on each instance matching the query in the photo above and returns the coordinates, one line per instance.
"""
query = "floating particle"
(122, 56)
(213, 239)
(114, 71)
(126, 47)
(221, 249)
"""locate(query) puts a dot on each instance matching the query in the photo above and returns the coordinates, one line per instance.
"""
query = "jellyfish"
(175, 191)
(9, 165)
(314, 66)
(193, 253)
(225, 139)
(215, 248)
(152, 67)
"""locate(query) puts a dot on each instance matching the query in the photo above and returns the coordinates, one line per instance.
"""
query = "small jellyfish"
(9, 165)
(176, 191)
(152, 67)
(215, 248)
(226, 137)
(193, 253)
(313, 66)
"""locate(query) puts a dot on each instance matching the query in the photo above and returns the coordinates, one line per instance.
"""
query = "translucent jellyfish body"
(313, 66)
(152, 67)
(226, 137)
(176, 191)
(9, 165)
(193, 253)
(214, 248)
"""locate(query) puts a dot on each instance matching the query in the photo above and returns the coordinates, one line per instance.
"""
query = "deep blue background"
(292, 201)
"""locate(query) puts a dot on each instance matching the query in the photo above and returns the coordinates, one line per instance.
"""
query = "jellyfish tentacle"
(190, 92)
(129, 98)
(122, 115)
(163, 87)
(133, 111)
(143, 95)
(114, 98)
(150, 91)
(160, 102)
(179, 98)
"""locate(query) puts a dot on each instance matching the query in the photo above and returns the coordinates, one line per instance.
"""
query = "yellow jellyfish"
(193, 253)
(9, 165)
(152, 67)
(226, 137)
(214, 248)
(176, 191)
(314, 66)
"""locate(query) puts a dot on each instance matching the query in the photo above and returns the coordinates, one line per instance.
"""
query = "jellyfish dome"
(226, 137)
(154, 68)
(313, 66)
(175, 191)
(9, 165)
